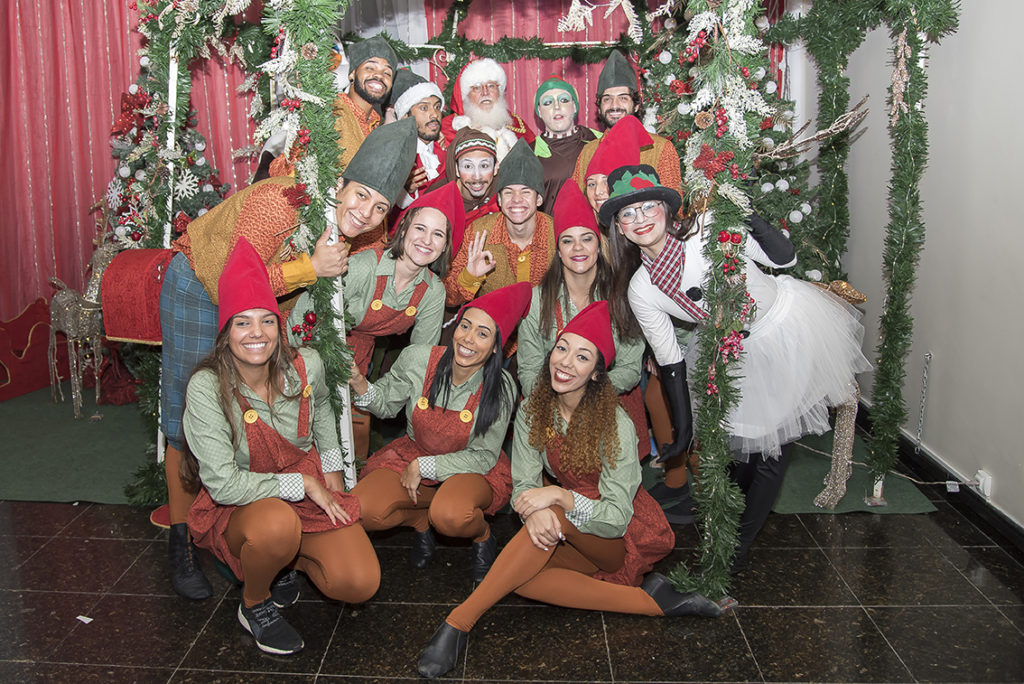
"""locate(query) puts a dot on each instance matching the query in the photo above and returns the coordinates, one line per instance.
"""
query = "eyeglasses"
(485, 87)
(648, 209)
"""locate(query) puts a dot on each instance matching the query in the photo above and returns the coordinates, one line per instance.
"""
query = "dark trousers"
(760, 480)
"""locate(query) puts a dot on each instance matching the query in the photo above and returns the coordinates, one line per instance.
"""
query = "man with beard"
(618, 97)
(372, 65)
(416, 97)
(479, 102)
(515, 245)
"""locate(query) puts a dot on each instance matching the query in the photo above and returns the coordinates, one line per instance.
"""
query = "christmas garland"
(301, 62)
(156, 186)
(833, 29)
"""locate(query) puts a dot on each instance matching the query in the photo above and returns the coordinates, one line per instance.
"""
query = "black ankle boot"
(186, 576)
(664, 494)
(422, 550)
(484, 554)
(674, 602)
(442, 653)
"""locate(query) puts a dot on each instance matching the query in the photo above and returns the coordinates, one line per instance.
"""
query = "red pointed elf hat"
(572, 209)
(448, 200)
(244, 284)
(506, 305)
(620, 146)
(594, 323)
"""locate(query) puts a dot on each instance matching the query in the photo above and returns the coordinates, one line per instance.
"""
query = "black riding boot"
(187, 577)
(673, 382)
(764, 475)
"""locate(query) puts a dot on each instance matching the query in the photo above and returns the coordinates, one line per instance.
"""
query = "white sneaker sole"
(264, 647)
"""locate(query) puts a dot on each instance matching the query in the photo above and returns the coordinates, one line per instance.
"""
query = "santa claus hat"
(571, 209)
(410, 88)
(594, 324)
(475, 73)
(506, 305)
(244, 284)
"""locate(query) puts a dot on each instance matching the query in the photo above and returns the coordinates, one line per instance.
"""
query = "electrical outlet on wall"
(984, 481)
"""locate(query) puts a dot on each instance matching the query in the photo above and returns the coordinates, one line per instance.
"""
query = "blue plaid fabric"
(188, 322)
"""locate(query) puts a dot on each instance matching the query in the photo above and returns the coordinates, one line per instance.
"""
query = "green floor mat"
(47, 455)
(806, 474)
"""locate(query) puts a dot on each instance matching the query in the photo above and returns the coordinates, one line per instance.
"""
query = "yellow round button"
(376, 305)
(307, 390)
(251, 416)
(465, 415)
(410, 311)
(521, 258)
(422, 403)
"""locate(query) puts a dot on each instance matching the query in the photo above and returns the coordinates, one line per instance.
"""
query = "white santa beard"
(497, 118)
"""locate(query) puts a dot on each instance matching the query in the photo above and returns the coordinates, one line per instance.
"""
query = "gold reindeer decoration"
(78, 316)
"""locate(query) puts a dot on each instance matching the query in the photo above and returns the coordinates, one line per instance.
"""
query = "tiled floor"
(852, 598)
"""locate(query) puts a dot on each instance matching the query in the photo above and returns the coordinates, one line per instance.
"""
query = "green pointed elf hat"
(521, 167)
(616, 72)
(372, 47)
(385, 158)
(631, 184)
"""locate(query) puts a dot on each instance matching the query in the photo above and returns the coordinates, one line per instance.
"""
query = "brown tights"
(455, 508)
(266, 536)
(562, 577)
(178, 500)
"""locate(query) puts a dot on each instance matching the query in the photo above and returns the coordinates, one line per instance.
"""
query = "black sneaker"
(272, 632)
(284, 591)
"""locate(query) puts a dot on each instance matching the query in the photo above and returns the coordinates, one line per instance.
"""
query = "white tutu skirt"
(800, 358)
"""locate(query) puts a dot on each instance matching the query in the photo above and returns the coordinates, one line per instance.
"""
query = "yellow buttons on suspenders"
(422, 403)
(410, 311)
(465, 415)
(376, 305)
(307, 390)
(522, 257)
(250, 416)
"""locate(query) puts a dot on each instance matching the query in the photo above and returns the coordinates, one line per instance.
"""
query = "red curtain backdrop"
(66, 64)
(489, 20)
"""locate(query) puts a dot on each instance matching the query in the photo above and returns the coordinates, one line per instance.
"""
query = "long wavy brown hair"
(222, 362)
(592, 438)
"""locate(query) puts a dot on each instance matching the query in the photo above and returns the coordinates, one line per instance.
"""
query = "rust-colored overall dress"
(648, 538)
(441, 431)
(269, 452)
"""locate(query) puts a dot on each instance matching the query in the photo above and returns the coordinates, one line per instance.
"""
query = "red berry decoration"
(136, 235)
(736, 238)
(723, 236)
(310, 317)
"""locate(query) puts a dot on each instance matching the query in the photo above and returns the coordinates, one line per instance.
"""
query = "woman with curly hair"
(262, 439)
(587, 540)
(578, 275)
(448, 470)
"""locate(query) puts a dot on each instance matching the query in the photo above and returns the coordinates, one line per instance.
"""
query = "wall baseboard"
(967, 499)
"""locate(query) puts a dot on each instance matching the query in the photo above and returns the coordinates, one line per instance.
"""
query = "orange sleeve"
(459, 283)
(266, 220)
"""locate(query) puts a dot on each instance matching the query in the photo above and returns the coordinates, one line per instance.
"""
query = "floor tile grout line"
(966, 578)
(888, 643)
(330, 641)
(607, 647)
(1019, 628)
(750, 649)
(195, 639)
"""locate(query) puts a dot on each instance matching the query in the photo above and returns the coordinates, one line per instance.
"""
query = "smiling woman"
(448, 470)
(269, 476)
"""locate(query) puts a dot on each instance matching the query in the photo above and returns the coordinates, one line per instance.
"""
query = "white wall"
(967, 303)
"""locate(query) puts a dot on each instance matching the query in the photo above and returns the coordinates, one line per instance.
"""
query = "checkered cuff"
(428, 467)
(330, 459)
(364, 400)
(582, 511)
(290, 487)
